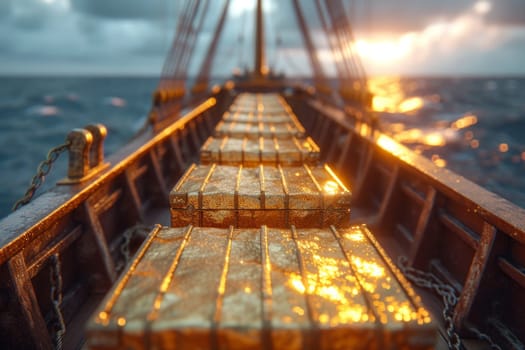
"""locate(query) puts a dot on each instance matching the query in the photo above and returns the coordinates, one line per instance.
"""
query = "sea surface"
(474, 126)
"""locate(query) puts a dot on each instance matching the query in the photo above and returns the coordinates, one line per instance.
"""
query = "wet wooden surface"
(219, 196)
(252, 152)
(203, 288)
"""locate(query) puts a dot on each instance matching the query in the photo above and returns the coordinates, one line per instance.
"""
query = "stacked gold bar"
(261, 255)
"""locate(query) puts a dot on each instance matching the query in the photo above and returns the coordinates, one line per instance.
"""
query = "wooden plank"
(463, 232)
(242, 303)
(177, 152)
(30, 309)
(512, 271)
(163, 186)
(421, 226)
(475, 273)
(329, 293)
(134, 193)
(192, 315)
(107, 202)
(101, 242)
(365, 170)
(193, 135)
(412, 194)
(36, 265)
(312, 197)
(344, 152)
(261, 288)
(387, 196)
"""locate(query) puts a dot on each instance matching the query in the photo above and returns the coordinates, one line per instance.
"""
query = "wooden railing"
(81, 233)
(470, 238)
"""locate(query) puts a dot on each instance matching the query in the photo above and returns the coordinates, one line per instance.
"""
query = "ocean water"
(474, 126)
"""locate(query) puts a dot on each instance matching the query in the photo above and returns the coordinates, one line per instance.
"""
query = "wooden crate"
(220, 195)
(261, 288)
(260, 129)
(252, 152)
(256, 117)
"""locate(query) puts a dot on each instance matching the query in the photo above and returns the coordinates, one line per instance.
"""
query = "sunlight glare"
(483, 7)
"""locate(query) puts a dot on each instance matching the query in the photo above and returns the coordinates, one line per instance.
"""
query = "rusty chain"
(446, 292)
(430, 281)
(55, 278)
(127, 236)
(43, 169)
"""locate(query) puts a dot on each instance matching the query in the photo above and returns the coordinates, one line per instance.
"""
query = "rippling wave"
(473, 126)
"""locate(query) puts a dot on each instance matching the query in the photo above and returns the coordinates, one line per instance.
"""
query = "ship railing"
(469, 237)
(67, 245)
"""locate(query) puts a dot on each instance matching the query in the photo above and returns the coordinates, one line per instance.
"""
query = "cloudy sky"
(433, 37)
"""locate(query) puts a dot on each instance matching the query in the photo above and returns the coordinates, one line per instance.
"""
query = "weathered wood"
(230, 288)
(36, 265)
(387, 196)
(422, 223)
(476, 270)
(29, 307)
(159, 177)
(256, 130)
(177, 152)
(101, 242)
(134, 194)
(344, 152)
(219, 195)
(252, 152)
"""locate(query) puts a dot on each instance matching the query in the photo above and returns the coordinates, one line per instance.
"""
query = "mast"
(260, 69)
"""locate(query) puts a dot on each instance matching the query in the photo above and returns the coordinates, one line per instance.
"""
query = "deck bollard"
(96, 156)
(79, 151)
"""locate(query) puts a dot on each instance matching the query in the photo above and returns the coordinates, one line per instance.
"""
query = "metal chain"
(43, 169)
(484, 337)
(55, 277)
(126, 240)
(448, 294)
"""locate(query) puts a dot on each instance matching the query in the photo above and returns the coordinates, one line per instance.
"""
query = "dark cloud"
(30, 15)
(123, 9)
(507, 12)
(405, 15)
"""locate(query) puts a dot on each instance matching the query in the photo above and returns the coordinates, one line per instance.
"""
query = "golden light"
(388, 144)
(382, 104)
(438, 161)
(121, 321)
(482, 7)
(331, 187)
(382, 51)
(434, 139)
(368, 268)
(503, 147)
(355, 236)
(298, 310)
(465, 122)
(410, 105)
(297, 283)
